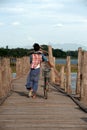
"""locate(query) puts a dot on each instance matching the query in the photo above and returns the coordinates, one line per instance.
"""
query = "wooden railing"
(21, 66)
(63, 77)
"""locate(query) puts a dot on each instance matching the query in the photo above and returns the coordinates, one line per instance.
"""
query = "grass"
(58, 67)
(13, 68)
(73, 67)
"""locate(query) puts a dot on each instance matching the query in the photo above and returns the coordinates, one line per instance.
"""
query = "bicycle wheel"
(45, 89)
(45, 94)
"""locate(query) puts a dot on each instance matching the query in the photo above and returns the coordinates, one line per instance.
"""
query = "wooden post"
(26, 64)
(62, 77)
(22, 66)
(18, 67)
(78, 83)
(51, 60)
(5, 77)
(53, 70)
(68, 75)
(84, 79)
(1, 80)
(65, 84)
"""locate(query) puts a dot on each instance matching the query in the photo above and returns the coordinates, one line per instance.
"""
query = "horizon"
(59, 45)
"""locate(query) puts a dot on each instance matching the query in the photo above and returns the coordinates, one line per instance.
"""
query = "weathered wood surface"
(58, 112)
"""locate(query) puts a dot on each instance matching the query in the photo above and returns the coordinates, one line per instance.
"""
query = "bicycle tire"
(45, 94)
(45, 89)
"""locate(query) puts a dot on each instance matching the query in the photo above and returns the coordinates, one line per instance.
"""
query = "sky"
(59, 23)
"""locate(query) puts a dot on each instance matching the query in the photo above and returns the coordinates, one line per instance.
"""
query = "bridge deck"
(58, 112)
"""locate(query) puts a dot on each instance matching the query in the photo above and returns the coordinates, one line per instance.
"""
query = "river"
(63, 61)
(73, 75)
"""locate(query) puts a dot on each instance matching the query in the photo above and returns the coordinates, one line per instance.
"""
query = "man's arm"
(51, 65)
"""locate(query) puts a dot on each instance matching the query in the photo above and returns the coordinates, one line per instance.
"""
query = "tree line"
(20, 52)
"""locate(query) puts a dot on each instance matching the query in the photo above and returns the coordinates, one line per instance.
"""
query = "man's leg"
(29, 84)
(35, 81)
(35, 88)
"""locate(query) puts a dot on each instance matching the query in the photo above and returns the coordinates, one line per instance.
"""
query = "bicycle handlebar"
(47, 70)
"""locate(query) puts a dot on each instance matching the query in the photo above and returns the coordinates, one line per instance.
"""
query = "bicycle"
(46, 82)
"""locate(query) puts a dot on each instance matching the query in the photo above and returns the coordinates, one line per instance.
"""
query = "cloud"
(84, 2)
(66, 18)
(12, 9)
(51, 6)
(16, 23)
(30, 39)
(1, 23)
(58, 25)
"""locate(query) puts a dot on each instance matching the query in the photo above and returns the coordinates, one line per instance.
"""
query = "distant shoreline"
(63, 61)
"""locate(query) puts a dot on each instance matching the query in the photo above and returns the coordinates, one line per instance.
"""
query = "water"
(13, 75)
(63, 61)
(73, 80)
(73, 75)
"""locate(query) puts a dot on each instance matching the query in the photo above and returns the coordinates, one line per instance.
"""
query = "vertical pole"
(68, 75)
(62, 77)
(5, 77)
(51, 60)
(0, 79)
(84, 79)
(53, 78)
(78, 83)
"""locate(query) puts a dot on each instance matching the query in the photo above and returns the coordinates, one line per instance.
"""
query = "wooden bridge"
(61, 111)
(58, 112)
